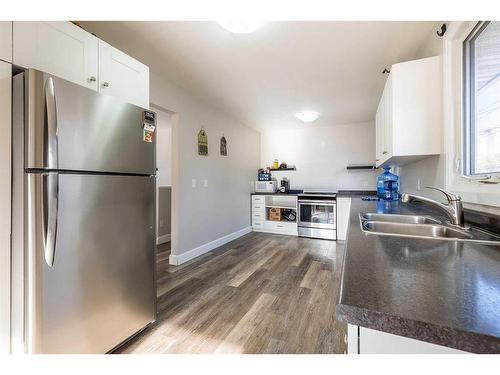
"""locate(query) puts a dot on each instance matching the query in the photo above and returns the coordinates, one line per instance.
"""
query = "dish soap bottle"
(388, 185)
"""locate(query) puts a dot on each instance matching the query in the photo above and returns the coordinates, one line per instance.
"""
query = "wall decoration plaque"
(223, 146)
(202, 143)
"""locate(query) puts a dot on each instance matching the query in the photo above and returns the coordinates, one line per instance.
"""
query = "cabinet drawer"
(258, 199)
(258, 208)
(281, 227)
(258, 216)
(258, 225)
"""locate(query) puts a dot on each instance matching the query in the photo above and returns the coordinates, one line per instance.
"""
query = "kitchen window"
(481, 105)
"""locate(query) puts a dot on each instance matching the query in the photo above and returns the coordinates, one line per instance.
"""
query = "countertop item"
(442, 292)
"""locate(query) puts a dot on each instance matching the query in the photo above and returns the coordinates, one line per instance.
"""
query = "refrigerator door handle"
(51, 157)
(50, 201)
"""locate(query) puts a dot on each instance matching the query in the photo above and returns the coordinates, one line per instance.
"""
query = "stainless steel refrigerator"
(83, 246)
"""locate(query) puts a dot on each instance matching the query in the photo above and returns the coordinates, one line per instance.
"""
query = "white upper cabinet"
(408, 119)
(6, 41)
(59, 48)
(67, 51)
(122, 76)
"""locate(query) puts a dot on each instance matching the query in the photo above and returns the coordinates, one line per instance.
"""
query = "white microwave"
(265, 186)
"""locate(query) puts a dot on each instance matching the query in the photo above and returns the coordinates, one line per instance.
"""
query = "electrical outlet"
(205, 183)
(193, 182)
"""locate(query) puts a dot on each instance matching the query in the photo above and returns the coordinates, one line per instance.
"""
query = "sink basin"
(436, 231)
(414, 230)
(393, 218)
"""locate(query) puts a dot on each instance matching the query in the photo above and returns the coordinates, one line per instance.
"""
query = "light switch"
(193, 182)
(205, 183)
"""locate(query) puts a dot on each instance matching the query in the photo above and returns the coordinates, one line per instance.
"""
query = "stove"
(317, 215)
(316, 194)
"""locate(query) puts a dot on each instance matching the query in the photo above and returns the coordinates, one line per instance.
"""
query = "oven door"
(317, 214)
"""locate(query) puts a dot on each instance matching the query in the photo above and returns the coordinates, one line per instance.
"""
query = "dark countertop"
(293, 193)
(442, 292)
(355, 193)
(340, 193)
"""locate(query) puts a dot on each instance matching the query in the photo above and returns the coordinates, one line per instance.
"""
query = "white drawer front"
(258, 208)
(281, 227)
(257, 216)
(258, 225)
(258, 199)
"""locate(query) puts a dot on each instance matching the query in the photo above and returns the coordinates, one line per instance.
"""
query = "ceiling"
(264, 78)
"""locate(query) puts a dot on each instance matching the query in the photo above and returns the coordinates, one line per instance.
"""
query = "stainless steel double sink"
(418, 226)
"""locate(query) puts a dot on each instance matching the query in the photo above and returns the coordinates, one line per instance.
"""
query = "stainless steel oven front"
(317, 218)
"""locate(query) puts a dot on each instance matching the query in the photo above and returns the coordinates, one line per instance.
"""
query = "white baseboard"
(163, 239)
(197, 251)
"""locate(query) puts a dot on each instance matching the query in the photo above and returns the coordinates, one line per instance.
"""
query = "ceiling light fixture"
(241, 26)
(307, 116)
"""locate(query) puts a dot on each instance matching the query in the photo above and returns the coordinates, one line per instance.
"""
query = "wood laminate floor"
(262, 293)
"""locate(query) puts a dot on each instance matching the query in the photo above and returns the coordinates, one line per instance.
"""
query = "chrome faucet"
(453, 209)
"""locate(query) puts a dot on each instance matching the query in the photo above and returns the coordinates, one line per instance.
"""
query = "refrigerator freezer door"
(100, 289)
(72, 128)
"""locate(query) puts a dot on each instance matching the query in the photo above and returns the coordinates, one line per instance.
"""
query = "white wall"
(429, 171)
(321, 155)
(204, 214)
(5, 204)
(163, 148)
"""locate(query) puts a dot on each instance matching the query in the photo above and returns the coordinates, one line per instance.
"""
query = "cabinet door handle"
(256, 215)
(92, 79)
(105, 84)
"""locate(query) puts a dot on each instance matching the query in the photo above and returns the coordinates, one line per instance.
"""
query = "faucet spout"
(454, 208)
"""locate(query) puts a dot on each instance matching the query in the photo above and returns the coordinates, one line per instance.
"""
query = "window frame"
(469, 105)
(471, 189)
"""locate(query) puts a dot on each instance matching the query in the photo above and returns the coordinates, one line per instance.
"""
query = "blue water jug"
(388, 185)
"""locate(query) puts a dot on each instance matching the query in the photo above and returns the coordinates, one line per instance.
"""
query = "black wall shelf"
(361, 166)
(282, 169)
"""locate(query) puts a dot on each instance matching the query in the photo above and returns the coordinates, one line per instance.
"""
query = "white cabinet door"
(377, 342)
(417, 107)
(5, 204)
(379, 132)
(343, 209)
(60, 48)
(6, 41)
(388, 105)
(122, 76)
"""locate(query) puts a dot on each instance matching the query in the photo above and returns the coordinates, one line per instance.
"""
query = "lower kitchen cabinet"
(260, 217)
(343, 209)
(361, 340)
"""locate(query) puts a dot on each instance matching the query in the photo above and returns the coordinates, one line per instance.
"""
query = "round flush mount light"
(241, 26)
(307, 116)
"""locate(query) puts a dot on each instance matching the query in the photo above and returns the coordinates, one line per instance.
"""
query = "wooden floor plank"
(261, 293)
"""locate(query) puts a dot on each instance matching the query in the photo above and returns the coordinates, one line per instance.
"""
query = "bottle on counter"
(388, 185)
(276, 164)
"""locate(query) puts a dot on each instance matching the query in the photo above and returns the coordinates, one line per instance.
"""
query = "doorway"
(163, 182)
